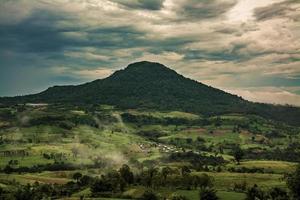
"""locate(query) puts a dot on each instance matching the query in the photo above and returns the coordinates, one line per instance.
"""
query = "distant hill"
(153, 86)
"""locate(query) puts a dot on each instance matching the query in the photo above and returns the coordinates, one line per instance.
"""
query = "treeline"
(68, 121)
(57, 166)
(196, 159)
(291, 154)
(113, 184)
(148, 119)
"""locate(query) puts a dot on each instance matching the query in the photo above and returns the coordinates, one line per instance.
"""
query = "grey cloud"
(277, 10)
(43, 32)
(141, 4)
(235, 52)
(34, 34)
(235, 30)
(40, 34)
(287, 60)
(203, 9)
(227, 30)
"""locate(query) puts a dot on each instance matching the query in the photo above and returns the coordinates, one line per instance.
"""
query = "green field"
(49, 144)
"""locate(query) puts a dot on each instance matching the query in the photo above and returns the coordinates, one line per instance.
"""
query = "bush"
(278, 194)
(178, 197)
(208, 194)
(240, 187)
(101, 186)
(293, 182)
(255, 193)
(77, 176)
(149, 195)
(194, 158)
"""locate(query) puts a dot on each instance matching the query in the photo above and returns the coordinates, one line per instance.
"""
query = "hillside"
(154, 86)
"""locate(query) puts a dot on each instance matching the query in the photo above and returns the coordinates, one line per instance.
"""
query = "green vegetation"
(293, 182)
(65, 151)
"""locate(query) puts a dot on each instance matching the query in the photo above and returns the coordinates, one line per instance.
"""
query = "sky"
(246, 47)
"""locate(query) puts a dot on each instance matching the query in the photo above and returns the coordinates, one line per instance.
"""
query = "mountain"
(154, 86)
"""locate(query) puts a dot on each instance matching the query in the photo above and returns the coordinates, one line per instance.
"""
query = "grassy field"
(278, 167)
(225, 180)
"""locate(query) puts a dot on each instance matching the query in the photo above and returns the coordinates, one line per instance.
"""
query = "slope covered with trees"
(154, 86)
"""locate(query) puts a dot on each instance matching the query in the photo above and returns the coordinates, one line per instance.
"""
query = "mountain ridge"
(152, 85)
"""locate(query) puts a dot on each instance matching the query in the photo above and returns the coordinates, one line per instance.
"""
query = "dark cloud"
(203, 9)
(227, 30)
(276, 10)
(40, 33)
(115, 37)
(235, 52)
(174, 44)
(272, 81)
(141, 4)
(287, 60)
(36, 33)
(204, 55)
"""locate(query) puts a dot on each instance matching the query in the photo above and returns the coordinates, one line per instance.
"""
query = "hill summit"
(142, 85)
(150, 85)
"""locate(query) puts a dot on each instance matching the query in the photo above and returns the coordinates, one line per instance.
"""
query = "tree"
(293, 182)
(203, 181)
(8, 169)
(218, 121)
(238, 154)
(165, 172)
(208, 194)
(185, 170)
(75, 151)
(178, 197)
(151, 173)
(113, 177)
(255, 193)
(85, 180)
(24, 193)
(149, 195)
(278, 194)
(126, 174)
(101, 185)
(77, 176)
(189, 140)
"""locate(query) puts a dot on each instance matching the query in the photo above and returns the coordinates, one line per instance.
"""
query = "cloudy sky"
(246, 47)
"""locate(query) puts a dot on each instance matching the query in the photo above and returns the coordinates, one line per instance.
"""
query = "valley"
(169, 153)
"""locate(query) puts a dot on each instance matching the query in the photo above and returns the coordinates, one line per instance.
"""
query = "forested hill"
(154, 86)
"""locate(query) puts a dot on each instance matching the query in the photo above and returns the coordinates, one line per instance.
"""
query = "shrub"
(178, 197)
(149, 195)
(208, 194)
(293, 182)
(255, 193)
(240, 186)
